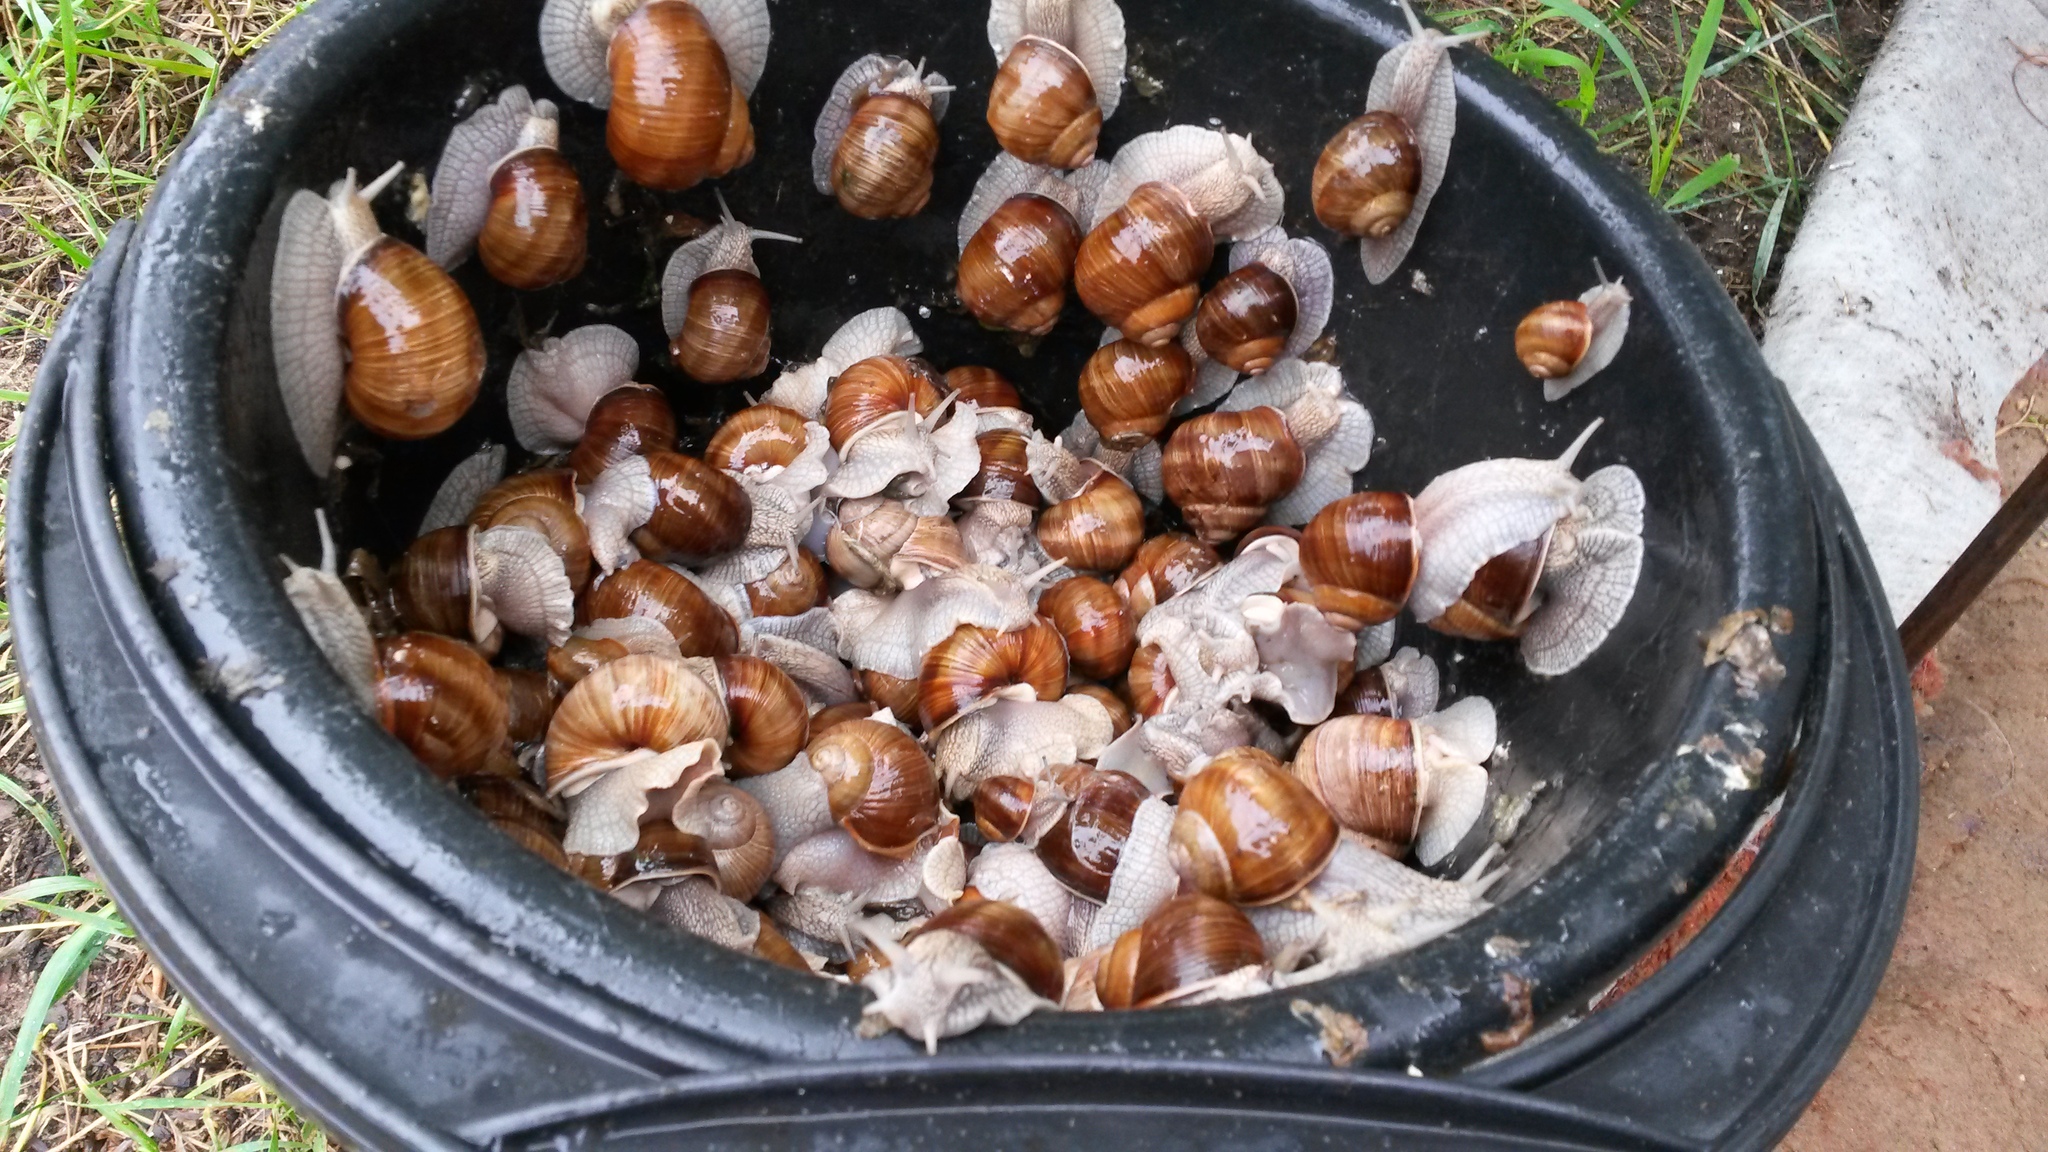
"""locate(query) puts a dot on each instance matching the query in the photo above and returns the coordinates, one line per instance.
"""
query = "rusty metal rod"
(1995, 546)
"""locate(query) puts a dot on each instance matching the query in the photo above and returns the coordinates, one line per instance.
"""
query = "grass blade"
(65, 966)
(34, 808)
(1598, 27)
(1709, 176)
(1767, 242)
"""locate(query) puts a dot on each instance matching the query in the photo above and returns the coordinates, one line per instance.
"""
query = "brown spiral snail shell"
(1245, 321)
(1366, 178)
(442, 701)
(878, 136)
(1224, 468)
(1360, 555)
(1163, 567)
(880, 784)
(676, 116)
(631, 420)
(972, 663)
(1137, 270)
(1129, 389)
(1098, 529)
(1249, 832)
(658, 592)
(1183, 945)
(1096, 624)
(1082, 848)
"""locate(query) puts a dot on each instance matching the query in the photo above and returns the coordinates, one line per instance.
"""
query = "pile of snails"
(885, 683)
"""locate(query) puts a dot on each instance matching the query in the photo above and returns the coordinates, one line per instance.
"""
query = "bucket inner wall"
(1632, 816)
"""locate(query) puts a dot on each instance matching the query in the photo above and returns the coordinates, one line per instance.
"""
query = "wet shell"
(874, 388)
(1082, 848)
(536, 234)
(1042, 105)
(529, 702)
(1005, 472)
(791, 590)
(553, 519)
(645, 588)
(1098, 529)
(763, 435)
(433, 585)
(1129, 389)
(1363, 769)
(1013, 273)
(880, 785)
(985, 386)
(1361, 555)
(733, 831)
(770, 718)
(972, 663)
(725, 331)
(676, 117)
(1186, 942)
(442, 702)
(633, 420)
(699, 512)
(1137, 270)
(1011, 936)
(416, 355)
(1096, 624)
(1245, 321)
(1552, 339)
(1365, 180)
(1163, 568)
(630, 706)
(896, 693)
(1500, 598)
(557, 484)
(1002, 806)
(883, 166)
(1249, 832)
(1224, 468)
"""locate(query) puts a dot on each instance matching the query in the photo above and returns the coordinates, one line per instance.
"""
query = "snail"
(555, 519)
(1367, 906)
(504, 188)
(636, 727)
(1377, 175)
(1249, 832)
(991, 392)
(1082, 847)
(1524, 548)
(977, 961)
(1093, 519)
(1402, 783)
(973, 663)
(630, 420)
(521, 813)
(697, 906)
(674, 76)
(770, 719)
(361, 318)
(1163, 566)
(1167, 196)
(465, 582)
(1564, 342)
(660, 593)
(880, 784)
(712, 303)
(1403, 687)
(1013, 873)
(554, 385)
(1223, 469)
(717, 832)
(770, 444)
(1272, 306)
(875, 332)
(1061, 75)
(1005, 472)
(885, 637)
(1120, 717)
(1360, 555)
(1148, 681)
(868, 534)
(1097, 626)
(338, 628)
(1015, 735)
(441, 700)
(668, 506)
(795, 587)
(1189, 946)
(604, 640)
(878, 135)
(1333, 431)
(1129, 390)
(1138, 467)
(895, 432)
(1019, 235)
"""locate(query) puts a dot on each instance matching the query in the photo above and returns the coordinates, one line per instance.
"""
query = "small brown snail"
(554, 386)
(1524, 548)
(674, 75)
(792, 589)
(1002, 806)
(1019, 235)
(357, 316)
(670, 506)
(987, 387)
(974, 663)
(630, 420)
(552, 517)
(1163, 567)
(659, 593)
(878, 135)
(1098, 528)
(865, 537)
(1005, 472)
(1224, 468)
(1129, 389)
(1402, 687)
(465, 582)
(1563, 343)
(504, 187)
(1061, 76)
(604, 640)
(1098, 628)
(1360, 555)
(1249, 832)
(713, 305)
(635, 728)
(896, 432)
(1403, 782)
(442, 702)
(1166, 198)
(1332, 429)
(975, 962)
(881, 785)
(1184, 947)
(1082, 847)
(1377, 175)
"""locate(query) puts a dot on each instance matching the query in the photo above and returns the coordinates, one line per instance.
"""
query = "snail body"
(1402, 783)
(878, 136)
(713, 305)
(555, 385)
(667, 505)
(414, 354)
(636, 728)
(503, 187)
(1564, 342)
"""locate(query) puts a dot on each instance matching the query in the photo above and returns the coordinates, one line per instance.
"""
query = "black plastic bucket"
(416, 980)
